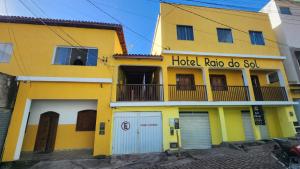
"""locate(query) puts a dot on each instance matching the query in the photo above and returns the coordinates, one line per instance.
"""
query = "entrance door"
(256, 87)
(249, 135)
(195, 130)
(45, 139)
(137, 132)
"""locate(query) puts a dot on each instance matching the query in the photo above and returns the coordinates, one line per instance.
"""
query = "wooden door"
(256, 87)
(45, 139)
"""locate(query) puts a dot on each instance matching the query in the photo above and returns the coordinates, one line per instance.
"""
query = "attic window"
(76, 56)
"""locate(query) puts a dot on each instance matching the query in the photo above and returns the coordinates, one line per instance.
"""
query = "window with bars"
(185, 32)
(257, 38)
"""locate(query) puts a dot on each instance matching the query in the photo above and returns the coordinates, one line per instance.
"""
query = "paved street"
(258, 156)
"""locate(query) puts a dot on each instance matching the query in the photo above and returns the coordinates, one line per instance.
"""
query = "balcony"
(230, 93)
(194, 93)
(139, 92)
(264, 93)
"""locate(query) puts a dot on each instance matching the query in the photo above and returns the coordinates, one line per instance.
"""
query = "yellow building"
(218, 72)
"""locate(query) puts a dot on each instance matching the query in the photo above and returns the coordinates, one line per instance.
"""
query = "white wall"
(67, 109)
(287, 29)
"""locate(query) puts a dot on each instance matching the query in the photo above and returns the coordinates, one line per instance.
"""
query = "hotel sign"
(258, 115)
(215, 63)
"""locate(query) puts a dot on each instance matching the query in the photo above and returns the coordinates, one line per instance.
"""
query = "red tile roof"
(68, 23)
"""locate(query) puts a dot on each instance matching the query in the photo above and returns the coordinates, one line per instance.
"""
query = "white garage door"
(249, 135)
(195, 130)
(137, 132)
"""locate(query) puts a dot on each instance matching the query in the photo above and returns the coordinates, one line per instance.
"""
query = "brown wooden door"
(45, 139)
(256, 87)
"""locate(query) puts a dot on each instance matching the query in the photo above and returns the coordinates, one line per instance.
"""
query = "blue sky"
(138, 15)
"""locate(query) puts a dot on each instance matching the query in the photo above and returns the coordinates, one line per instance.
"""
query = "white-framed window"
(5, 52)
(75, 56)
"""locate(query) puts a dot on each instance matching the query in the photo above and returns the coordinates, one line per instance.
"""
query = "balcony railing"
(264, 93)
(194, 93)
(230, 93)
(139, 92)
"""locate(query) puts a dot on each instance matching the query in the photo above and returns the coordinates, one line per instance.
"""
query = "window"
(273, 77)
(218, 82)
(185, 82)
(185, 32)
(86, 120)
(256, 38)
(5, 52)
(224, 35)
(285, 10)
(76, 56)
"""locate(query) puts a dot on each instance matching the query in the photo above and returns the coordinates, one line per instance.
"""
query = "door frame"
(256, 89)
(21, 135)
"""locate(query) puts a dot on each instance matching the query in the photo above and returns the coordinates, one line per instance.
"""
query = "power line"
(12, 37)
(117, 20)
(220, 23)
(54, 31)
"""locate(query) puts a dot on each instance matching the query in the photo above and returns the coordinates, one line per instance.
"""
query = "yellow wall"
(233, 78)
(48, 90)
(64, 138)
(33, 54)
(272, 121)
(205, 33)
(234, 124)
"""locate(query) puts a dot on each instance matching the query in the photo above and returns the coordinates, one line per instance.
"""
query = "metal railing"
(139, 92)
(264, 93)
(230, 93)
(193, 93)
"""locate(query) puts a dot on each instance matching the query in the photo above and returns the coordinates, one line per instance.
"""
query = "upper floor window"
(5, 52)
(257, 38)
(273, 77)
(224, 35)
(185, 82)
(185, 32)
(285, 10)
(218, 82)
(76, 56)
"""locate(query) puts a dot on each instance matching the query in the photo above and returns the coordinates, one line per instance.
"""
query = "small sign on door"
(125, 125)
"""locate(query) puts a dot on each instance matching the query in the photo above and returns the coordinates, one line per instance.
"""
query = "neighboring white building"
(285, 19)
